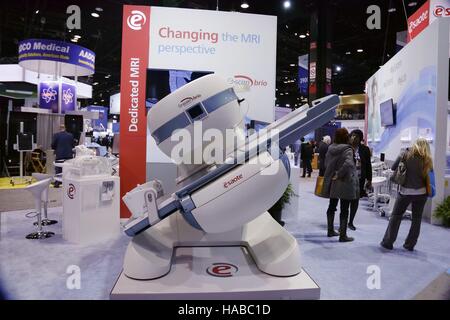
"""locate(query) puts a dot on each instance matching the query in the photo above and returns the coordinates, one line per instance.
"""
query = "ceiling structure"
(22, 19)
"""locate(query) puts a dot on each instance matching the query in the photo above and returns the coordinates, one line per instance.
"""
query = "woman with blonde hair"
(413, 191)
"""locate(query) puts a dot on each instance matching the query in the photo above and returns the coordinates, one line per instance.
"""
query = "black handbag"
(399, 176)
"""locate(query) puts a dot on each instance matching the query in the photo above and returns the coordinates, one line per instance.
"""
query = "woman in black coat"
(340, 182)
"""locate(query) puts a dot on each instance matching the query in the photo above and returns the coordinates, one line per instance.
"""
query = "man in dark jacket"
(323, 148)
(363, 167)
(306, 155)
(63, 143)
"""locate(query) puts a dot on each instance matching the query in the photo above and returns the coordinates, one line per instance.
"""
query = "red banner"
(418, 21)
(133, 122)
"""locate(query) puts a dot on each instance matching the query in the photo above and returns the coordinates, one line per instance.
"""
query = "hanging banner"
(43, 56)
(426, 15)
(303, 74)
(68, 97)
(49, 96)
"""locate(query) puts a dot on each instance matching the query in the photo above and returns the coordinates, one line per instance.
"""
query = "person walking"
(63, 143)
(306, 156)
(340, 182)
(419, 163)
(323, 148)
(363, 168)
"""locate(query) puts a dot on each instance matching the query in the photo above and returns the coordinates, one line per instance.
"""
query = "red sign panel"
(419, 21)
(133, 124)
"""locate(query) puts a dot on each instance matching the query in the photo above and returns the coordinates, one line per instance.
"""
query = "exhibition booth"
(204, 156)
(408, 98)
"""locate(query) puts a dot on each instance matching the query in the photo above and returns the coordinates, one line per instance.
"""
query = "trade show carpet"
(49, 269)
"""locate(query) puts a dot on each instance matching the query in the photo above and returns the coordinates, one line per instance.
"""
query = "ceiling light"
(348, 52)
(287, 27)
(99, 9)
(360, 50)
(281, 94)
(244, 5)
(107, 76)
(412, 4)
(338, 68)
(77, 36)
(292, 64)
(295, 34)
(74, 40)
(302, 36)
(95, 14)
(392, 10)
(37, 11)
(288, 105)
(286, 4)
(307, 33)
(95, 83)
(341, 93)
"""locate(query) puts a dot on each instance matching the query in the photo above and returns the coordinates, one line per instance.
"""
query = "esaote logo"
(136, 20)
(222, 269)
(226, 184)
(71, 191)
(423, 18)
(440, 11)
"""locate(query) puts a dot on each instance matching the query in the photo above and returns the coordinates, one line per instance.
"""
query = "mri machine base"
(260, 260)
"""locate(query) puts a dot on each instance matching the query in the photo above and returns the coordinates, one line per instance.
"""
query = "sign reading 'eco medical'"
(42, 55)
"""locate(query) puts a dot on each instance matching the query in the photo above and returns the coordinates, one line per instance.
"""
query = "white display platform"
(189, 279)
(91, 213)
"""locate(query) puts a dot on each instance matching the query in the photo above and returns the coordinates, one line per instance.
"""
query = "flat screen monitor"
(387, 113)
(161, 82)
(24, 142)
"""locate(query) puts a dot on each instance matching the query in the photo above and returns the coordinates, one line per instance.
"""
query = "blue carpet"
(31, 269)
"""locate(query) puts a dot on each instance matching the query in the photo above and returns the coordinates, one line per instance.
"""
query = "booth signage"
(101, 123)
(57, 96)
(159, 42)
(68, 97)
(419, 21)
(58, 51)
(425, 15)
(49, 96)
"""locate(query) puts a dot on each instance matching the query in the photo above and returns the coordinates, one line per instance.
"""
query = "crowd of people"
(345, 166)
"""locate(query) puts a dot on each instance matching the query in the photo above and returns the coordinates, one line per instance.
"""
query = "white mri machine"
(217, 203)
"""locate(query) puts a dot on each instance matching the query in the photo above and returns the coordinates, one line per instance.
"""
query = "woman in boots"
(340, 182)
